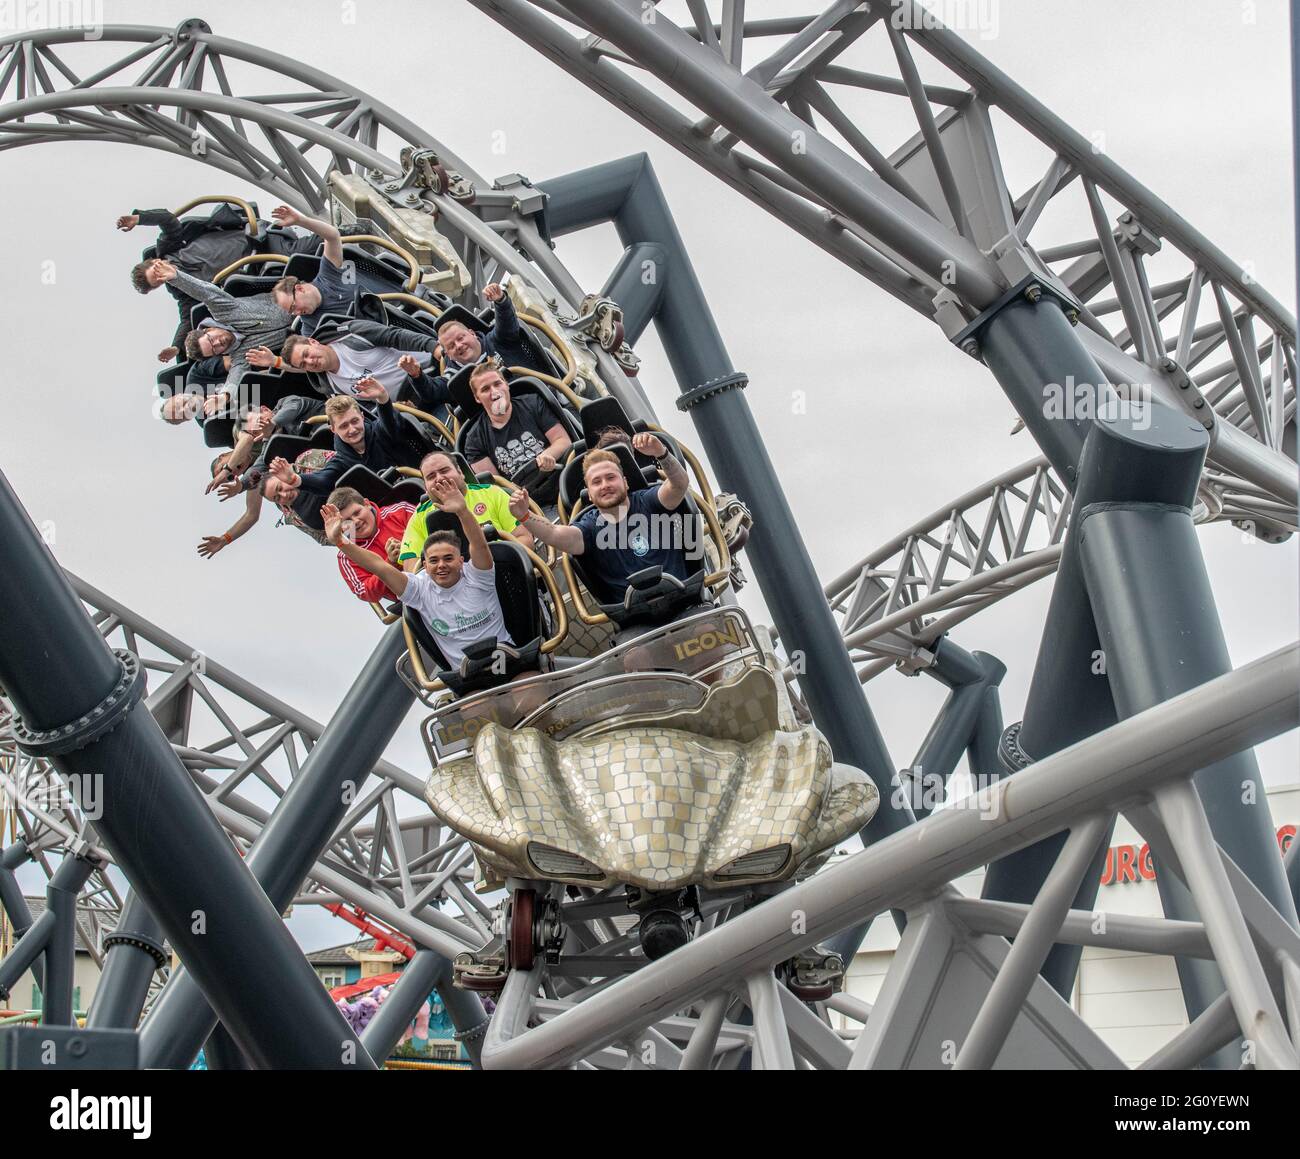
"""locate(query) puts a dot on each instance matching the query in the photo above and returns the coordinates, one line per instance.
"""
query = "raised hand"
(332, 518)
(519, 504)
(649, 445)
(128, 221)
(215, 402)
(221, 475)
(283, 215)
(409, 364)
(230, 488)
(167, 353)
(448, 495)
(493, 292)
(281, 469)
(261, 357)
(209, 545)
(371, 389)
(165, 270)
(392, 549)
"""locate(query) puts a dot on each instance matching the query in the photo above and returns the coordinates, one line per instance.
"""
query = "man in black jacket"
(465, 338)
(378, 443)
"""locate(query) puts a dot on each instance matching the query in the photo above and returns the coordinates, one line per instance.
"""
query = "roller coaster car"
(667, 771)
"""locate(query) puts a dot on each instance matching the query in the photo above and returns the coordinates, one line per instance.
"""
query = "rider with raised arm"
(332, 291)
(237, 326)
(488, 503)
(458, 603)
(622, 532)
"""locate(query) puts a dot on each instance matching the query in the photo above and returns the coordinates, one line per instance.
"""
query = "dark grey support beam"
(79, 707)
(627, 193)
(635, 284)
(61, 949)
(11, 898)
(133, 953)
(298, 831)
(971, 678)
(221, 1052)
(419, 976)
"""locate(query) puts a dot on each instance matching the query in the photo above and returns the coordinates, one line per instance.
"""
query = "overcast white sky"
(1192, 98)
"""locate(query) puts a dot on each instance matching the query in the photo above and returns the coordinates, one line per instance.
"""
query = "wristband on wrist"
(226, 536)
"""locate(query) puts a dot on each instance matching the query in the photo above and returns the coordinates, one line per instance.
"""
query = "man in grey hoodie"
(238, 325)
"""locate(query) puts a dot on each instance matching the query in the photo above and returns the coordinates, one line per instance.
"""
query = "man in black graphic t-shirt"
(519, 438)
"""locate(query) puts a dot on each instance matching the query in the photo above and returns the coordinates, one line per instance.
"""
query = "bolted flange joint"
(98, 722)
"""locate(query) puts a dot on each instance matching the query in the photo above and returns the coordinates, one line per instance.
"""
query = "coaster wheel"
(523, 908)
(615, 339)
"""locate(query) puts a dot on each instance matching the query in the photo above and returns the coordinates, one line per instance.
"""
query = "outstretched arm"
(450, 499)
(676, 481)
(566, 539)
(211, 544)
(394, 579)
(322, 229)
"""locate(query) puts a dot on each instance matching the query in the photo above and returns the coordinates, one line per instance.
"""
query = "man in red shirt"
(374, 528)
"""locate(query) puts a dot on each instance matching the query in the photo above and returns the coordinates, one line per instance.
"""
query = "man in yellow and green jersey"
(488, 503)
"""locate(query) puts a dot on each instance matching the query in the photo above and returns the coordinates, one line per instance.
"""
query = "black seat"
(381, 491)
(651, 598)
(521, 609)
(250, 285)
(597, 416)
(373, 275)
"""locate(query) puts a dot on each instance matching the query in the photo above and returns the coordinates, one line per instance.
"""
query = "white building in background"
(1133, 1001)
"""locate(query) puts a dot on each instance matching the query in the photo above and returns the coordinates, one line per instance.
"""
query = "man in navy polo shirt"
(622, 532)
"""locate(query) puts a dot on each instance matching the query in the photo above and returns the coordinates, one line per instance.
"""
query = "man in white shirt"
(346, 363)
(457, 601)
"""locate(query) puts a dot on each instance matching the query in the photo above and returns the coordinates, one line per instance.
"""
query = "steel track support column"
(972, 677)
(419, 976)
(1161, 635)
(1054, 383)
(133, 952)
(61, 949)
(79, 707)
(296, 834)
(636, 286)
(15, 905)
(627, 193)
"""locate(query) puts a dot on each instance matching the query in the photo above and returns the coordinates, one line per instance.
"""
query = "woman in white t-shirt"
(457, 601)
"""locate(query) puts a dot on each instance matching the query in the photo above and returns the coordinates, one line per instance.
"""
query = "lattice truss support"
(389, 858)
(875, 133)
(282, 126)
(956, 995)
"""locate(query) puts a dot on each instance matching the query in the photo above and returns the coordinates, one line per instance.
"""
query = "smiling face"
(281, 494)
(460, 342)
(606, 485)
(363, 519)
(437, 467)
(313, 356)
(180, 408)
(443, 563)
